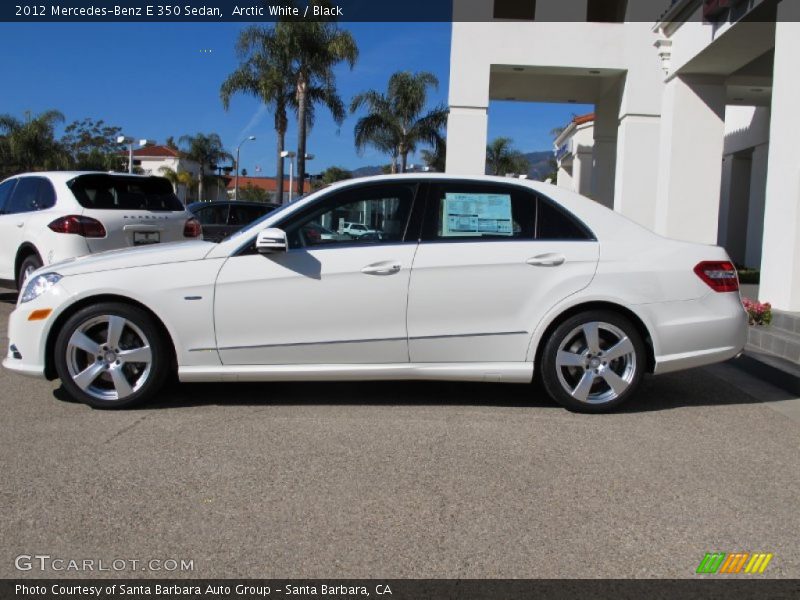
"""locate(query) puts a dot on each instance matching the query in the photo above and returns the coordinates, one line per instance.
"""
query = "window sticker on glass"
(476, 215)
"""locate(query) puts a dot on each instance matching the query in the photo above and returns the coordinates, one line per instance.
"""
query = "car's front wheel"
(593, 361)
(111, 355)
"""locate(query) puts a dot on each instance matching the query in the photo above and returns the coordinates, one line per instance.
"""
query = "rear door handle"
(547, 260)
(388, 267)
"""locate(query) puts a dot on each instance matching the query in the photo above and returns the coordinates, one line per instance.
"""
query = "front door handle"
(388, 267)
(547, 260)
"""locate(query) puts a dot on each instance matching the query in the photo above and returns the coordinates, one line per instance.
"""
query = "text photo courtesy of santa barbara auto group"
(443, 299)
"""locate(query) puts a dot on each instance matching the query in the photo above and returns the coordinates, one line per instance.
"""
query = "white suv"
(357, 230)
(49, 217)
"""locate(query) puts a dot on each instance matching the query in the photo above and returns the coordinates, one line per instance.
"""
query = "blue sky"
(155, 80)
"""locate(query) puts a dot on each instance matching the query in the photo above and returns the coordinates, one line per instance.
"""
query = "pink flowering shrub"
(760, 313)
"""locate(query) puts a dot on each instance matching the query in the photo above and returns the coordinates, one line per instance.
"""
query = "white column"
(637, 168)
(467, 130)
(564, 179)
(755, 205)
(582, 173)
(606, 124)
(733, 208)
(690, 159)
(780, 261)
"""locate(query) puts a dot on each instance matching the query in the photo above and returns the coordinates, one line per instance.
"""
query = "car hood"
(141, 256)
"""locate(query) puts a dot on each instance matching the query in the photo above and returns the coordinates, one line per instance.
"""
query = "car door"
(26, 198)
(214, 218)
(493, 259)
(325, 300)
(9, 232)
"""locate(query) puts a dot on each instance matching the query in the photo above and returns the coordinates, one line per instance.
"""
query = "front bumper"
(27, 340)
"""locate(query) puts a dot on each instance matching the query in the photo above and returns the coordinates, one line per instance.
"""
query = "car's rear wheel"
(111, 355)
(593, 361)
(28, 265)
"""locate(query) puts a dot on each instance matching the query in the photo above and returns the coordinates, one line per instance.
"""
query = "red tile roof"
(265, 183)
(580, 120)
(155, 152)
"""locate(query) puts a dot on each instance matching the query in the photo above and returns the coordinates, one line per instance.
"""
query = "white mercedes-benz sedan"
(469, 279)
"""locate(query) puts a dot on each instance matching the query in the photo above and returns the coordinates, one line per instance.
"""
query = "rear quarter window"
(119, 192)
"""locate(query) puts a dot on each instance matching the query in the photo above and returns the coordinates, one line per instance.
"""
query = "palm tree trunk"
(280, 129)
(403, 152)
(302, 105)
(200, 184)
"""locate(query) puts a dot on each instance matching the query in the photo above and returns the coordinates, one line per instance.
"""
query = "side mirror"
(271, 240)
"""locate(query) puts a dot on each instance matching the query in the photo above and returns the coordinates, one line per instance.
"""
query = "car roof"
(67, 175)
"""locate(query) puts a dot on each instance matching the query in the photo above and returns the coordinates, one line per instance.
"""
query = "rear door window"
(213, 215)
(27, 195)
(120, 192)
(244, 215)
(5, 193)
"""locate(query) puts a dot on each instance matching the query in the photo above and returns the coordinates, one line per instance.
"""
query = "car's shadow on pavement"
(692, 388)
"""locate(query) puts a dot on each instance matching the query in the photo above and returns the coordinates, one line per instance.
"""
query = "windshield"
(120, 192)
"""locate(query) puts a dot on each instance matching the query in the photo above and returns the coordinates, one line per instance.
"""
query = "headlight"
(38, 286)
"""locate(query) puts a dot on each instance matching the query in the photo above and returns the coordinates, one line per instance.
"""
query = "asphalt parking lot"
(403, 480)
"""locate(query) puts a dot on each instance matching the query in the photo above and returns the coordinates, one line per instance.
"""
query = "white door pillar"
(780, 260)
(690, 159)
(467, 130)
(564, 179)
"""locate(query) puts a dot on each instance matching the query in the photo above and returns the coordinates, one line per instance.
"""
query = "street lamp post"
(236, 184)
(290, 154)
(124, 139)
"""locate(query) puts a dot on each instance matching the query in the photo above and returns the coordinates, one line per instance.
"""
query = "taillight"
(719, 275)
(192, 228)
(83, 226)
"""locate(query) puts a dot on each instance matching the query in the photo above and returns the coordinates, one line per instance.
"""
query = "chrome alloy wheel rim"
(596, 363)
(109, 357)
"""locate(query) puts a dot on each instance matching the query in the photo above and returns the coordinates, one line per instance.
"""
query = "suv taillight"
(79, 225)
(720, 276)
(192, 228)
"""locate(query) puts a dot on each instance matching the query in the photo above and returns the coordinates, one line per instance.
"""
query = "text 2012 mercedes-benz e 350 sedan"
(472, 279)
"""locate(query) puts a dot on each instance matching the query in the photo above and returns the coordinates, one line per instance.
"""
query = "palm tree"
(206, 150)
(30, 145)
(435, 159)
(395, 122)
(178, 178)
(315, 47)
(264, 72)
(502, 158)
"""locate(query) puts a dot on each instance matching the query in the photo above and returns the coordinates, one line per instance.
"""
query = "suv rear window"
(120, 192)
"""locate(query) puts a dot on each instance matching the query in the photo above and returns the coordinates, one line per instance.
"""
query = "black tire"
(593, 381)
(29, 264)
(106, 388)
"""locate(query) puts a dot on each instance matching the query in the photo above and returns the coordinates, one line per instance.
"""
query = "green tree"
(395, 122)
(265, 73)
(252, 193)
(178, 178)
(435, 159)
(206, 150)
(334, 174)
(315, 48)
(31, 145)
(503, 159)
(93, 145)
